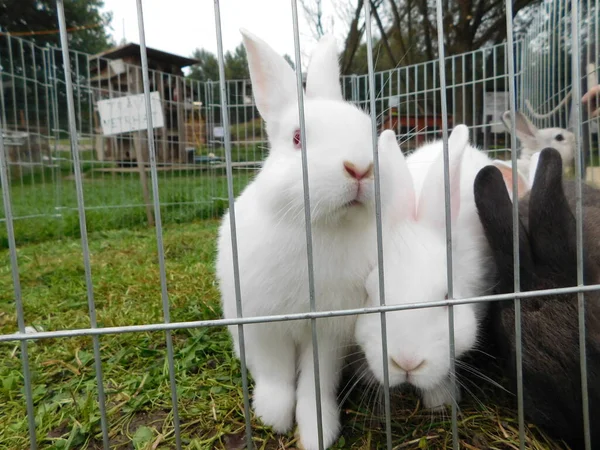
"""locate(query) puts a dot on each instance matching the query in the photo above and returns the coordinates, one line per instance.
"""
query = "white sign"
(219, 132)
(495, 103)
(124, 114)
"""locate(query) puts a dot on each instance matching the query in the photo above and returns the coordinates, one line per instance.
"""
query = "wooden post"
(139, 156)
(180, 86)
(141, 161)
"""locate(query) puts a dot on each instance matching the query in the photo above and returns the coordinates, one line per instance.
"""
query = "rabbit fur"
(271, 238)
(415, 268)
(550, 338)
(534, 140)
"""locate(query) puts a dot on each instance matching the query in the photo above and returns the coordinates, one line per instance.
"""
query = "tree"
(207, 67)
(407, 29)
(290, 61)
(22, 17)
(206, 72)
(319, 23)
(28, 27)
(405, 33)
(236, 64)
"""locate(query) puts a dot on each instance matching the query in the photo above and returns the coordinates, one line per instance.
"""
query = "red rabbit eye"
(297, 139)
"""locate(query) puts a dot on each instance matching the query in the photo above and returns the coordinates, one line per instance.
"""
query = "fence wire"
(50, 127)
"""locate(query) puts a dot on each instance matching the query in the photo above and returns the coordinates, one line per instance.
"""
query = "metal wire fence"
(50, 128)
(190, 145)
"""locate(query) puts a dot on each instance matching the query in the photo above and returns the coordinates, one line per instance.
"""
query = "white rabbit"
(534, 140)
(271, 238)
(415, 269)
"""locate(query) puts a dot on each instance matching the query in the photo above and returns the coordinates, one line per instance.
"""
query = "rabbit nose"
(356, 173)
(407, 365)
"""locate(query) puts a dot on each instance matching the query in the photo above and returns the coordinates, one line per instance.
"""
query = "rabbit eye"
(559, 137)
(297, 139)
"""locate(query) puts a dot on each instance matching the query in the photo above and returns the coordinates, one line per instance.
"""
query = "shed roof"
(132, 49)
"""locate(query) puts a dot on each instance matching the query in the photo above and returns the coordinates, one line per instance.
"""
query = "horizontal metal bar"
(287, 317)
(34, 216)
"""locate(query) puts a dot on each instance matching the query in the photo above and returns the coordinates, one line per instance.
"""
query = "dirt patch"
(59, 431)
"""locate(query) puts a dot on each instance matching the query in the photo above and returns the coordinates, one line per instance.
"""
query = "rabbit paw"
(308, 431)
(274, 405)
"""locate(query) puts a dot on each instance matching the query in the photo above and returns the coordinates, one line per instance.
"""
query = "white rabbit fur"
(271, 239)
(415, 270)
(534, 140)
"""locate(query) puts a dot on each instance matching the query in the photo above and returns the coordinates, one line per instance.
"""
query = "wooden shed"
(118, 73)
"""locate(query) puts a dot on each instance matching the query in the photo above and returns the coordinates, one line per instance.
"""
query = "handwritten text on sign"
(124, 114)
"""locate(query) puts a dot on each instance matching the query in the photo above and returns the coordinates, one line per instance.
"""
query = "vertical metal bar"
(486, 127)
(405, 130)
(425, 99)
(441, 55)
(46, 69)
(15, 108)
(384, 349)
(90, 98)
(82, 220)
(515, 224)
(576, 120)
(434, 80)
(78, 86)
(495, 78)
(463, 81)
(37, 110)
(56, 125)
(596, 61)
(234, 247)
(26, 105)
(588, 77)
(415, 102)
(14, 266)
(158, 222)
(473, 95)
(14, 80)
(307, 219)
(453, 83)
(553, 45)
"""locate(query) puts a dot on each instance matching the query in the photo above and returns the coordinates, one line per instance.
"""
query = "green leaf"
(216, 389)
(9, 383)
(143, 435)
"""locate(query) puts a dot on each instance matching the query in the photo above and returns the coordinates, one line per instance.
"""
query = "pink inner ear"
(507, 174)
(297, 142)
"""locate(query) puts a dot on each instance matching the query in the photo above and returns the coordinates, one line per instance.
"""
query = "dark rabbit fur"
(547, 239)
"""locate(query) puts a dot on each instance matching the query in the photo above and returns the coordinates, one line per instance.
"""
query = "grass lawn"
(127, 291)
(46, 207)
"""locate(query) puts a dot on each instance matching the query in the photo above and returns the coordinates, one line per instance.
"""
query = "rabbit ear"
(432, 199)
(551, 221)
(323, 74)
(404, 191)
(273, 80)
(533, 165)
(506, 121)
(495, 213)
(523, 127)
(507, 175)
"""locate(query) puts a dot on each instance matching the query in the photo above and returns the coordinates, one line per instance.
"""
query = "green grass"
(108, 198)
(127, 292)
(254, 151)
(253, 129)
